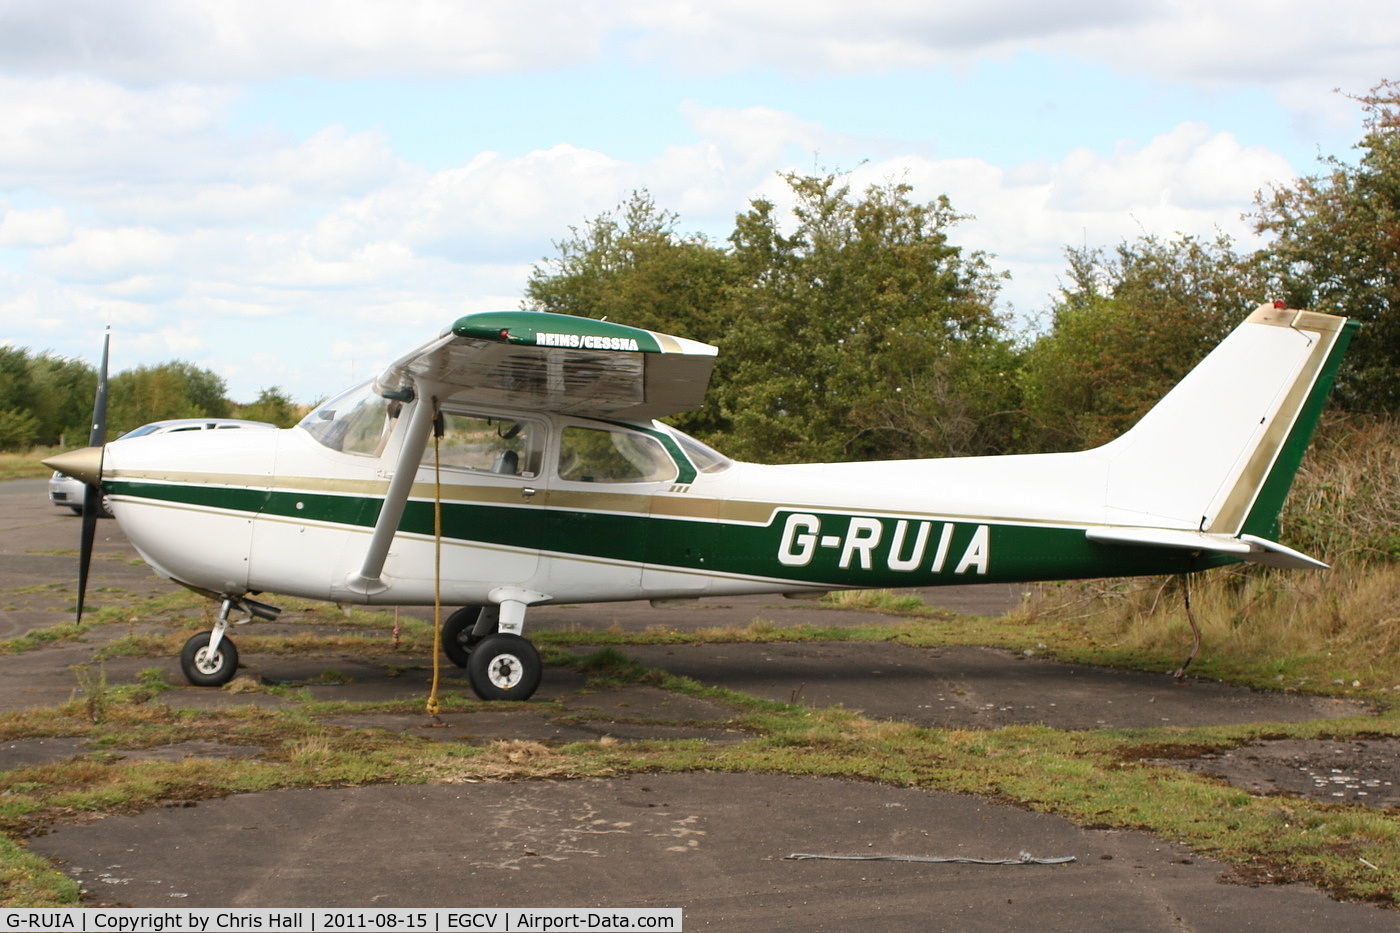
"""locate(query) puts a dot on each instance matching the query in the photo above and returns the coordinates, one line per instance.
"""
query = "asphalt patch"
(624, 714)
(1355, 771)
(715, 844)
(978, 688)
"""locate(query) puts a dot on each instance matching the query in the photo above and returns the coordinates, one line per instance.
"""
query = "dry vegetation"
(1284, 627)
(25, 465)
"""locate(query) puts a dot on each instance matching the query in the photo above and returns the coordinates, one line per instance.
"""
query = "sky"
(296, 193)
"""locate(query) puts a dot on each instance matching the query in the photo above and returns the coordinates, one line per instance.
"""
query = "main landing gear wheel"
(458, 640)
(504, 667)
(208, 670)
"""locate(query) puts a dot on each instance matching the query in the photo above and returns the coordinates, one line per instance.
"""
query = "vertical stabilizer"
(1218, 453)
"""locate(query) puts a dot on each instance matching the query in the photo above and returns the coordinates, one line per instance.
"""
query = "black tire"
(204, 671)
(457, 638)
(504, 667)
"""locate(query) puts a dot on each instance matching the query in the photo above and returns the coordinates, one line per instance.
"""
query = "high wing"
(534, 360)
(555, 362)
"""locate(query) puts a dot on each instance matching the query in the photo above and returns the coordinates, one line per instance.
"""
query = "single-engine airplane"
(532, 438)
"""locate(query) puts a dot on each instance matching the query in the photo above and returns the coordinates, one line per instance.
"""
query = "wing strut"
(367, 582)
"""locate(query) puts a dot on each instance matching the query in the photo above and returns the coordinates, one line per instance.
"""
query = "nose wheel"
(210, 659)
(504, 667)
(206, 668)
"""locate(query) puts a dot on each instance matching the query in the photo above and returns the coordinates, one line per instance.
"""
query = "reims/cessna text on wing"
(532, 438)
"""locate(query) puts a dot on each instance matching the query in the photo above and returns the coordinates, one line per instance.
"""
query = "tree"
(863, 334)
(43, 399)
(64, 390)
(169, 390)
(1337, 248)
(16, 389)
(635, 268)
(631, 266)
(18, 429)
(273, 405)
(1127, 328)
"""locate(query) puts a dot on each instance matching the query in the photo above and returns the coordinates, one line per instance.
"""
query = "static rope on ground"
(1025, 858)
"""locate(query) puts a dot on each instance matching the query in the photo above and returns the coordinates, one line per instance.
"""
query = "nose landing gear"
(209, 659)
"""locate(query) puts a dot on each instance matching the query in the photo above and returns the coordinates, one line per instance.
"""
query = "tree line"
(46, 400)
(854, 326)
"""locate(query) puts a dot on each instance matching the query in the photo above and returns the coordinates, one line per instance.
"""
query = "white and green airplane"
(515, 462)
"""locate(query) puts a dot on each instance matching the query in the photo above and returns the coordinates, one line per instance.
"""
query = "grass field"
(25, 465)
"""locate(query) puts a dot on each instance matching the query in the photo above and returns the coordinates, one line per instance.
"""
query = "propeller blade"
(98, 435)
(92, 492)
(92, 501)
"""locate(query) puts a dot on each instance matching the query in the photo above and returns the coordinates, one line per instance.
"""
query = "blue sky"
(294, 194)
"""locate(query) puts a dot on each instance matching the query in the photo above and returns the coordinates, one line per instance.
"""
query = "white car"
(67, 492)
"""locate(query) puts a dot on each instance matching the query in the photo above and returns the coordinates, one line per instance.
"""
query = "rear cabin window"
(594, 455)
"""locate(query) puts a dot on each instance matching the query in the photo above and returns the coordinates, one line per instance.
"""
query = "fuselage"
(578, 510)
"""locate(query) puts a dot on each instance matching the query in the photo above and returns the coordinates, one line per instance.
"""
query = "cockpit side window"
(489, 444)
(596, 455)
(357, 422)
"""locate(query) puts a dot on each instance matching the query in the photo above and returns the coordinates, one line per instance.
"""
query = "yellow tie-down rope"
(433, 705)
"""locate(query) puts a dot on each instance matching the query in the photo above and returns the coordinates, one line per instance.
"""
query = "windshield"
(355, 422)
(705, 458)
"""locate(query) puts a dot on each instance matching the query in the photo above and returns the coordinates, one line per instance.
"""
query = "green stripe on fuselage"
(827, 549)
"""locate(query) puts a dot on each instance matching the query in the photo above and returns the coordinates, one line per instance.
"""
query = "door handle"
(527, 491)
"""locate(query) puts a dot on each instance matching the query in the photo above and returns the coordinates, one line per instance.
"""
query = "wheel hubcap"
(206, 663)
(505, 671)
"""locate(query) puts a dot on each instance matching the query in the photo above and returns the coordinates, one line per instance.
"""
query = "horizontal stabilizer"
(1246, 547)
(1276, 555)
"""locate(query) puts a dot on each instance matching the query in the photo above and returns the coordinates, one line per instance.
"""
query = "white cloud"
(210, 41)
(148, 41)
(420, 248)
(108, 255)
(213, 205)
(85, 131)
(1189, 168)
(752, 139)
(130, 196)
(488, 209)
(331, 160)
(295, 263)
(1189, 181)
(1290, 46)
(831, 35)
(45, 226)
